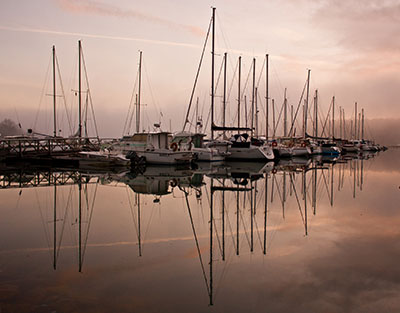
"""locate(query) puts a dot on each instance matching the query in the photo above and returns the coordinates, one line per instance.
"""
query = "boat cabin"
(148, 141)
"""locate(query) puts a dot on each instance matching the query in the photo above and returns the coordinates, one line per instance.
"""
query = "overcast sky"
(351, 47)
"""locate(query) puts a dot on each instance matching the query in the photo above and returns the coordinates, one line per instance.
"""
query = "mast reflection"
(236, 192)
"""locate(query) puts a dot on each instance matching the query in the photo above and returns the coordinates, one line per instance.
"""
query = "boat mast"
(285, 115)
(80, 89)
(212, 72)
(273, 118)
(344, 125)
(54, 91)
(240, 69)
(340, 122)
(256, 113)
(306, 105)
(362, 121)
(80, 222)
(138, 97)
(224, 99)
(266, 96)
(333, 117)
(196, 128)
(355, 121)
(55, 223)
(252, 97)
(265, 213)
(316, 113)
(211, 239)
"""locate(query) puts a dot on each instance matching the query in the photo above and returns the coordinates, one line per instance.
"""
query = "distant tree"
(9, 128)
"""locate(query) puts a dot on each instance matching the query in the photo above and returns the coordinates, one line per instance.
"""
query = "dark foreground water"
(325, 238)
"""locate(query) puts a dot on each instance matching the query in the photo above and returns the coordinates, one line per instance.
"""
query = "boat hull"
(165, 157)
(262, 153)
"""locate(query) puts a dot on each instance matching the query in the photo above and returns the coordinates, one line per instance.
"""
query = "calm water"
(324, 238)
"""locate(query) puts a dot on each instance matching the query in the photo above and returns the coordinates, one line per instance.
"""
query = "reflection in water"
(240, 197)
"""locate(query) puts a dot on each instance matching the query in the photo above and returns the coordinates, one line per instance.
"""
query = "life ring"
(174, 146)
(274, 143)
(303, 144)
(274, 171)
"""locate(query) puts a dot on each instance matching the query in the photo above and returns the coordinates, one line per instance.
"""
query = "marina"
(244, 159)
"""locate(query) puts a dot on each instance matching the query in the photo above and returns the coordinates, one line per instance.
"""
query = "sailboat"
(245, 147)
(204, 150)
(241, 147)
(151, 147)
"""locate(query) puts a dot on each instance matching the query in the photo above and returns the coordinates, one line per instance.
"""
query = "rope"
(90, 95)
(197, 76)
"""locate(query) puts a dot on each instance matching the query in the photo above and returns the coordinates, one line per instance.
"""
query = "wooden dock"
(48, 147)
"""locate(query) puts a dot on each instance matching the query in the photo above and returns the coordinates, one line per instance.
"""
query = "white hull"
(101, 159)
(251, 153)
(165, 156)
(208, 154)
(301, 151)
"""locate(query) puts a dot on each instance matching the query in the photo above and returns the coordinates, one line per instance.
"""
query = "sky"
(351, 48)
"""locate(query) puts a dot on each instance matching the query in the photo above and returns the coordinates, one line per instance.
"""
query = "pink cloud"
(100, 8)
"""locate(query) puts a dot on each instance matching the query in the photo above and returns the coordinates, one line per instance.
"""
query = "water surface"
(323, 238)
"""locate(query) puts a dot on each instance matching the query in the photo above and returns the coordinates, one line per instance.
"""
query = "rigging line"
(90, 220)
(90, 94)
(262, 71)
(297, 198)
(277, 189)
(230, 229)
(279, 118)
(63, 96)
(246, 82)
(298, 107)
(326, 186)
(216, 235)
(309, 185)
(319, 188)
(64, 221)
(208, 119)
(46, 233)
(195, 237)
(244, 227)
(130, 109)
(218, 286)
(63, 225)
(272, 66)
(326, 119)
(219, 76)
(42, 93)
(197, 75)
(132, 213)
(218, 80)
(232, 81)
(151, 90)
(227, 45)
(148, 223)
(258, 234)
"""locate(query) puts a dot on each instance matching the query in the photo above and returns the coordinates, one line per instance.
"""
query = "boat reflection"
(241, 197)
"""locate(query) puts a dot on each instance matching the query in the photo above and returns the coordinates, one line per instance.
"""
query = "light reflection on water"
(324, 237)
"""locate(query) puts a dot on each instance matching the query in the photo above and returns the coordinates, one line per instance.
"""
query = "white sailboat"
(151, 147)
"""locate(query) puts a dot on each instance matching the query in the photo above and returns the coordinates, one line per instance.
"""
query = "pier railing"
(44, 178)
(32, 147)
